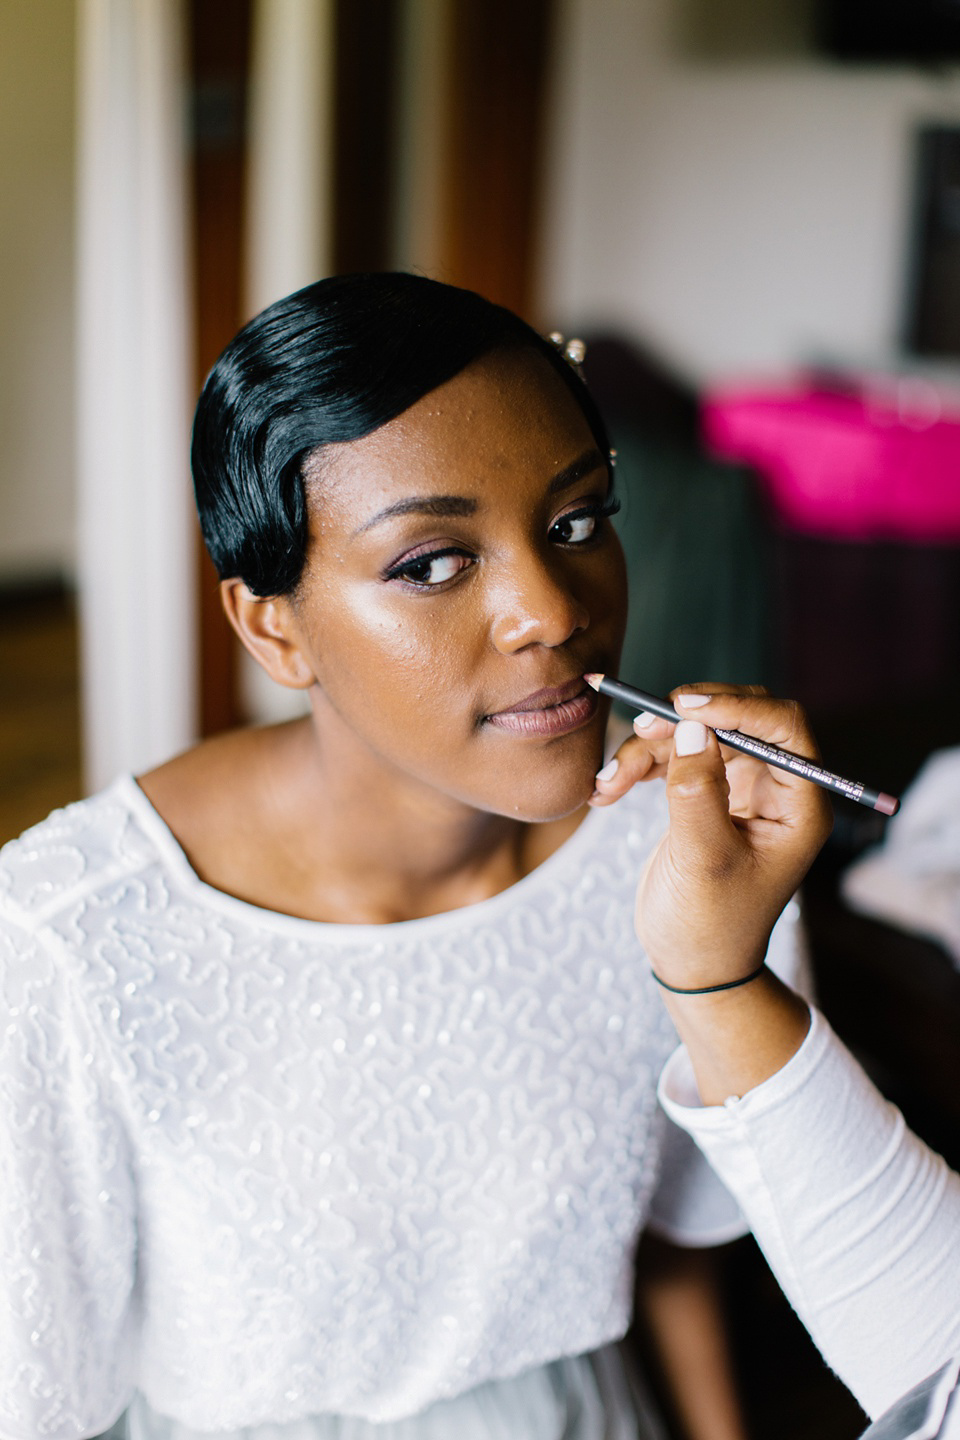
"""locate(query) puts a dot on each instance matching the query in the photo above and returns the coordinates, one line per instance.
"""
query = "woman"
(331, 1054)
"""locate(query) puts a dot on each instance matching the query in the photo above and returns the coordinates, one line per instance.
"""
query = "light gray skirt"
(583, 1397)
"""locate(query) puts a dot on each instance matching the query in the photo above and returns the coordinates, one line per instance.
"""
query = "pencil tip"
(886, 804)
(593, 680)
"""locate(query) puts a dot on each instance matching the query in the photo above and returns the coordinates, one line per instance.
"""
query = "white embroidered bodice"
(258, 1167)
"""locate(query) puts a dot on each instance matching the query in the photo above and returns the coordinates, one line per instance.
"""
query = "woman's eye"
(579, 526)
(574, 529)
(433, 569)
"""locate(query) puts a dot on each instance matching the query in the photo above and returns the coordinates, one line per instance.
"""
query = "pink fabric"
(844, 465)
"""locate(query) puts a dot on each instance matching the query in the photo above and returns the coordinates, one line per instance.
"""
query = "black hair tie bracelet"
(710, 989)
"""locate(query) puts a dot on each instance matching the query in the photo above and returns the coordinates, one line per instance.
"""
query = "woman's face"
(462, 576)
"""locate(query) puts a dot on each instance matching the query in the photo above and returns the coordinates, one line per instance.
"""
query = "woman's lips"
(547, 719)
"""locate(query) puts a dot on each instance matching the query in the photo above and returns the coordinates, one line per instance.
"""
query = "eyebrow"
(422, 505)
(576, 471)
(441, 505)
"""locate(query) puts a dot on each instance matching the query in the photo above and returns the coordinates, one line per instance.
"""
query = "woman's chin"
(559, 782)
(552, 797)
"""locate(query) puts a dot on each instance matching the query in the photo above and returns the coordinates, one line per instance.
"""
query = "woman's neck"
(300, 823)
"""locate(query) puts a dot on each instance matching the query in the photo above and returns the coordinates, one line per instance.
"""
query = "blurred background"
(750, 209)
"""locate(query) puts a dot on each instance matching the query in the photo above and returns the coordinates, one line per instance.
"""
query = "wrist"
(738, 1038)
(711, 969)
(710, 989)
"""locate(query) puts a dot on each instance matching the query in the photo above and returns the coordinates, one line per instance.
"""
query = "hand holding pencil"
(742, 834)
(803, 765)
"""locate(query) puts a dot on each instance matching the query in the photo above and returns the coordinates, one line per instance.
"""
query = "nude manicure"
(690, 737)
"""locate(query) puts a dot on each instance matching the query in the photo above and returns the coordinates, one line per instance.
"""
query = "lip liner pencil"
(750, 745)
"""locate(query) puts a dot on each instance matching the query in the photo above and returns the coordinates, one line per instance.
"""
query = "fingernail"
(690, 737)
(693, 702)
(609, 770)
(641, 721)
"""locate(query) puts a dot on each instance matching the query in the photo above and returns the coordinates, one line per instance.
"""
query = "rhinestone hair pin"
(573, 351)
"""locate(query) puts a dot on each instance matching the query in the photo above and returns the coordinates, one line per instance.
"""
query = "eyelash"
(596, 511)
(599, 510)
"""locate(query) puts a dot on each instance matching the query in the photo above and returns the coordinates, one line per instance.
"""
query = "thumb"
(685, 885)
(698, 796)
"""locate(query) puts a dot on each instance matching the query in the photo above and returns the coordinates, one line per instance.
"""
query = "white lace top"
(258, 1168)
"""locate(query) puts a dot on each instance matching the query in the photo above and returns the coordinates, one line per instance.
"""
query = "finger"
(770, 798)
(696, 696)
(698, 800)
(634, 761)
(757, 791)
(781, 722)
(717, 687)
(653, 727)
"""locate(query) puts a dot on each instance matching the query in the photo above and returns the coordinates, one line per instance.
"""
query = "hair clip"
(573, 351)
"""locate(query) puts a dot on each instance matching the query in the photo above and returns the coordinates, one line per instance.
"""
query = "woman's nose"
(537, 607)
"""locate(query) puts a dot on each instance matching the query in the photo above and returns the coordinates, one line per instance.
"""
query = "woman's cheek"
(403, 658)
(612, 584)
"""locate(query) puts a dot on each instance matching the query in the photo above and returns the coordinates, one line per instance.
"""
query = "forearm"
(679, 1302)
(857, 1217)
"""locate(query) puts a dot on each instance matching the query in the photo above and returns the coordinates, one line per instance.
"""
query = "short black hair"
(330, 363)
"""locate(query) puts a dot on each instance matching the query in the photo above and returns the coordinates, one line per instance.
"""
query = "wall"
(739, 215)
(37, 45)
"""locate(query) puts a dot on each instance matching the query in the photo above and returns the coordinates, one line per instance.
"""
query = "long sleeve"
(67, 1231)
(859, 1220)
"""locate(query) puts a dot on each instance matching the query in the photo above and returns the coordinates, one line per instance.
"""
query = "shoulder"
(48, 875)
(228, 799)
(215, 772)
(74, 851)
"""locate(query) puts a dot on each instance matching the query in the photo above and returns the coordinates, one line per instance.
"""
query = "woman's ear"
(267, 628)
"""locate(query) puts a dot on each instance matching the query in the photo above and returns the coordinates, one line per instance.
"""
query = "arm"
(67, 1228)
(858, 1218)
(679, 1307)
(862, 1233)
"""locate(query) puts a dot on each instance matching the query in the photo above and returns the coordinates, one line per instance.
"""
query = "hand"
(741, 836)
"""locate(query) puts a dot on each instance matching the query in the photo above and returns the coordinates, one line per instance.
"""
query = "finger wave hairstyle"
(328, 364)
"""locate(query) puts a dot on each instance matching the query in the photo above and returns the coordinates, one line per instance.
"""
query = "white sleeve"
(859, 1220)
(691, 1205)
(67, 1215)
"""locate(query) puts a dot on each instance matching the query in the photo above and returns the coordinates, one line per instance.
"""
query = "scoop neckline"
(173, 854)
